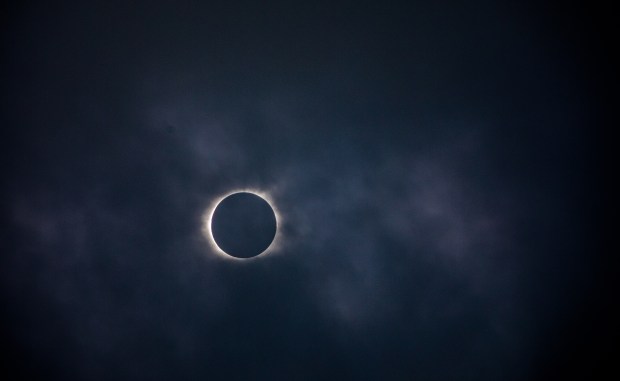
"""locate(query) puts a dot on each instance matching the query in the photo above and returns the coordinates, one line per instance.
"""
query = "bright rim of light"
(207, 218)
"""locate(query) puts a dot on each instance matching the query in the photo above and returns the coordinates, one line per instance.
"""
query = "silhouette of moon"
(243, 225)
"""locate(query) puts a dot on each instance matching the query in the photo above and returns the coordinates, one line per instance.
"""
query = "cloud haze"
(430, 164)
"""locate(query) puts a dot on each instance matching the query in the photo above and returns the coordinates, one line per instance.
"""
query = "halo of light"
(208, 233)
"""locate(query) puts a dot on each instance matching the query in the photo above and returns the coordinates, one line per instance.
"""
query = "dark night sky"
(436, 164)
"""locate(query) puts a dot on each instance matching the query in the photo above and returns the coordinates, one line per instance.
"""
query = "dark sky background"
(437, 166)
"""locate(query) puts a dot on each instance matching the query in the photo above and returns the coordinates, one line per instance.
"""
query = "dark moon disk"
(243, 225)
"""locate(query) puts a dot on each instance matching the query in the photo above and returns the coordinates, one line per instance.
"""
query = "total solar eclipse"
(243, 225)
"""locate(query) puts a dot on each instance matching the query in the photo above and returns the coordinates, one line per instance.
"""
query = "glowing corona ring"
(208, 232)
